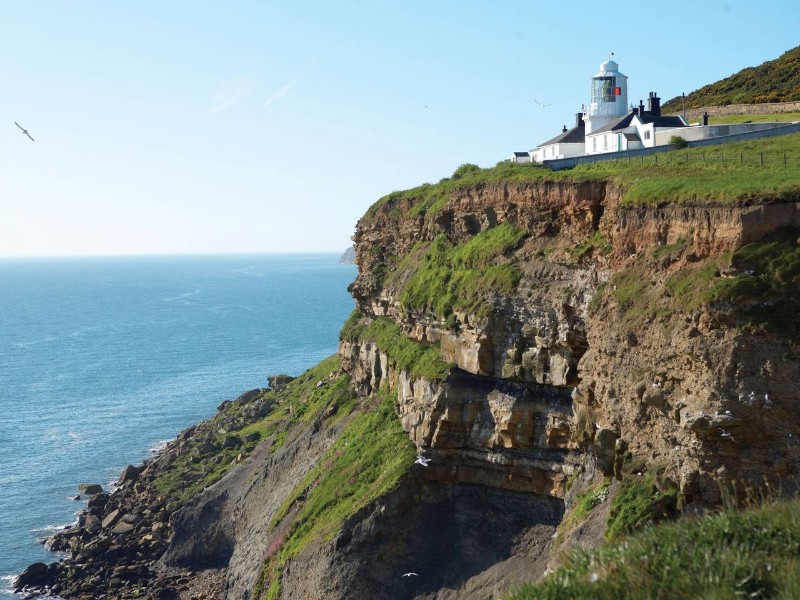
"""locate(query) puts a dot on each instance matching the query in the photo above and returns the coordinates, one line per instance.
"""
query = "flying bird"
(543, 105)
(410, 575)
(24, 131)
(421, 460)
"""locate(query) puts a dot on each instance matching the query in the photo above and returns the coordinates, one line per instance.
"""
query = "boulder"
(36, 575)
(123, 528)
(98, 500)
(129, 473)
(278, 382)
(90, 489)
(111, 518)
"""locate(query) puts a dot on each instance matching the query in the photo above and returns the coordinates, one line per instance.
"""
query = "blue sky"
(206, 127)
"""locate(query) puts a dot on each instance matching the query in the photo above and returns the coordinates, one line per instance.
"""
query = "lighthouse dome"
(608, 68)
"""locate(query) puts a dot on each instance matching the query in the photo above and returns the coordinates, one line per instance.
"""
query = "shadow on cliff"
(455, 537)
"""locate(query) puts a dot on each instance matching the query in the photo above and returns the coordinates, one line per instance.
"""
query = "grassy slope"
(365, 462)
(748, 554)
(777, 117)
(203, 464)
(773, 81)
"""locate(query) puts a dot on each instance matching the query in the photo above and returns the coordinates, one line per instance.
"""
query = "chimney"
(564, 130)
(579, 119)
(705, 119)
(641, 108)
(654, 104)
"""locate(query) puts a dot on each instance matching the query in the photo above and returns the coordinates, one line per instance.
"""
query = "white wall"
(706, 132)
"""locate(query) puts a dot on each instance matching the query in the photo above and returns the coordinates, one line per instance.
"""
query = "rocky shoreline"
(115, 546)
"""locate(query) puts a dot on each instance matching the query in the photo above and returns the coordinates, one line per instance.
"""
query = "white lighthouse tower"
(609, 96)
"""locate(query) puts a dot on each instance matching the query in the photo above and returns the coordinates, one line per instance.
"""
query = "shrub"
(465, 169)
(678, 142)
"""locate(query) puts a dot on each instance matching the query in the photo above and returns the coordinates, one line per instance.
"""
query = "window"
(604, 89)
(594, 144)
(647, 134)
(605, 142)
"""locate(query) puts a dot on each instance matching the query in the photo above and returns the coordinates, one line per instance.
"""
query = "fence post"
(784, 159)
(762, 159)
(656, 155)
(741, 158)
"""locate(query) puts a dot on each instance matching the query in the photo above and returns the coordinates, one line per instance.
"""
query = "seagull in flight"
(543, 105)
(410, 575)
(421, 460)
(24, 131)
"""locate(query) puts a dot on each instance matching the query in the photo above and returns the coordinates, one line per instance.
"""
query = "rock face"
(643, 382)
(608, 349)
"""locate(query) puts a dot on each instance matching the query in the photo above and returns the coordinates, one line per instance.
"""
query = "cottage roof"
(521, 154)
(576, 135)
(658, 122)
(621, 123)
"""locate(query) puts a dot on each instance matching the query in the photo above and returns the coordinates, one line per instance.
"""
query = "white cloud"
(231, 94)
(285, 89)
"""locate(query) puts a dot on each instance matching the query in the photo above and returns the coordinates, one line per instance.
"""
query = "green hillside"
(773, 81)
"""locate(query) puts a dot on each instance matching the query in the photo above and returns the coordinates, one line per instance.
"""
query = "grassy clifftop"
(755, 170)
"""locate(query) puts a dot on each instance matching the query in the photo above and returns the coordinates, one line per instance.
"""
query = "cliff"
(537, 340)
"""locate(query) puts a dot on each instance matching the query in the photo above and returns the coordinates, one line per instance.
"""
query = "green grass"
(441, 276)
(641, 501)
(749, 553)
(427, 199)
(771, 118)
(300, 401)
(585, 503)
(755, 286)
(596, 243)
(763, 288)
(420, 360)
(728, 173)
(365, 462)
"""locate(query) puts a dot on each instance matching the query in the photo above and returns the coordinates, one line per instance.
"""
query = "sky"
(247, 127)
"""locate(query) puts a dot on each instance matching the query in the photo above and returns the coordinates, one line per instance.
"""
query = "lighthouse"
(609, 96)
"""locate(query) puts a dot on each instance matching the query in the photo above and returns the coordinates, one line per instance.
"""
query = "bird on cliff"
(727, 434)
(410, 574)
(421, 460)
(24, 131)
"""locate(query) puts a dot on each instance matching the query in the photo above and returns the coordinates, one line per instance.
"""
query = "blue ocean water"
(103, 358)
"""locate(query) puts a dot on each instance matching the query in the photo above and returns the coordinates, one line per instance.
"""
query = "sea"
(103, 360)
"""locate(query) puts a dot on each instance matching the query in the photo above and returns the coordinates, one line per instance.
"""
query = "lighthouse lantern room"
(609, 96)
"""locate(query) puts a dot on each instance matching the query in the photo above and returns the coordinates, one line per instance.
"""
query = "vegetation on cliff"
(776, 80)
(420, 360)
(231, 436)
(754, 286)
(441, 276)
(750, 553)
(366, 461)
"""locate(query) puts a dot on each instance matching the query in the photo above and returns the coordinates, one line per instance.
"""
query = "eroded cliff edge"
(528, 338)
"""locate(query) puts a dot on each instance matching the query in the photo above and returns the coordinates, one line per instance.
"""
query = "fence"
(764, 159)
